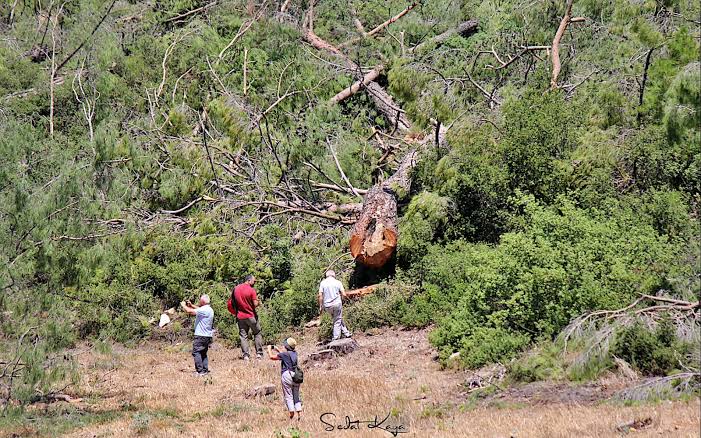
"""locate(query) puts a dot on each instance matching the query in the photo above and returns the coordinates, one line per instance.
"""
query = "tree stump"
(343, 346)
(321, 355)
(260, 391)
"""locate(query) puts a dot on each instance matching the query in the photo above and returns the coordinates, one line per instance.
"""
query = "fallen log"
(464, 29)
(367, 290)
(348, 92)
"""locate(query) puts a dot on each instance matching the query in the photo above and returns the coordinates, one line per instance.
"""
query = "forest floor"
(150, 390)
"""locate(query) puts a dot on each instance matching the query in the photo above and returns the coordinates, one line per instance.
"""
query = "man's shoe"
(246, 358)
(259, 356)
(349, 335)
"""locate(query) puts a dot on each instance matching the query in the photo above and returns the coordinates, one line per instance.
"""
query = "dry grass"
(392, 373)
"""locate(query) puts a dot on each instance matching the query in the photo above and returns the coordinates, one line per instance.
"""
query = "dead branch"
(190, 204)
(566, 20)
(381, 26)
(53, 72)
(336, 188)
(644, 82)
(367, 290)
(340, 170)
(369, 77)
(245, 71)
(188, 13)
(80, 46)
(242, 30)
(167, 53)
(87, 104)
(286, 3)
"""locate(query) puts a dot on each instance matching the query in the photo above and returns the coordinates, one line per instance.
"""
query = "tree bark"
(556, 44)
(463, 29)
(374, 236)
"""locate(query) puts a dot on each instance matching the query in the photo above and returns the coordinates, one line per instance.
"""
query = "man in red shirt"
(246, 301)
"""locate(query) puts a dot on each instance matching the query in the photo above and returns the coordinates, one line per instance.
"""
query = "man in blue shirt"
(204, 330)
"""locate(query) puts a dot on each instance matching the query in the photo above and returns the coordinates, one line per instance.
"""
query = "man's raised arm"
(188, 307)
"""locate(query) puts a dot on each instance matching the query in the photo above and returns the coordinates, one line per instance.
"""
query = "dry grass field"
(151, 391)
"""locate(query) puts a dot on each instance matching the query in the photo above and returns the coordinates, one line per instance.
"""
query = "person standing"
(204, 330)
(246, 300)
(290, 389)
(330, 293)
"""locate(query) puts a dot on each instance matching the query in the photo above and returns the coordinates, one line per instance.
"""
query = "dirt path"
(156, 394)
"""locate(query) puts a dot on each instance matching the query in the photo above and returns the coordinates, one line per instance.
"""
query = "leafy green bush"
(564, 262)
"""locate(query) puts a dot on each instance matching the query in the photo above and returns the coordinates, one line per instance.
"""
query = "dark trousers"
(200, 346)
(253, 325)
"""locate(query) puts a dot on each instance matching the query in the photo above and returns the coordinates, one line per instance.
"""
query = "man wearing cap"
(290, 389)
(204, 330)
(330, 293)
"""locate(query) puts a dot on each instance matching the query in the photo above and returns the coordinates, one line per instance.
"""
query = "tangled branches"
(599, 328)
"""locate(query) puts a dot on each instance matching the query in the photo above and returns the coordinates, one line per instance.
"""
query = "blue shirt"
(204, 321)
(288, 360)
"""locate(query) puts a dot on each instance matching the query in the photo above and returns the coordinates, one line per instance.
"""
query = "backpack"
(297, 374)
(231, 305)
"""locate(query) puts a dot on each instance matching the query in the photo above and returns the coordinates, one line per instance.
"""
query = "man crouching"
(204, 323)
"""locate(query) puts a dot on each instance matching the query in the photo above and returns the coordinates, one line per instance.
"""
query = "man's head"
(204, 300)
(250, 279)
(330, 273)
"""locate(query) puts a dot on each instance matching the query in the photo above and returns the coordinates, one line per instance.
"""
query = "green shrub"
(564, 262)
(544, 362)
(652, 352)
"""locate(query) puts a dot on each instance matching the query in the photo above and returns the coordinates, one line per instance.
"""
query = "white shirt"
(331, 290)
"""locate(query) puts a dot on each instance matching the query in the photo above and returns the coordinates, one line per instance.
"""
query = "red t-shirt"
(244, 295)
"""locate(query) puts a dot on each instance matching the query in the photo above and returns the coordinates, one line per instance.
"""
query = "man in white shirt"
(330, 293)
(204, 330)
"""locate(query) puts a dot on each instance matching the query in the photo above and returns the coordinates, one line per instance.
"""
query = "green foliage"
(656, 353)
(422, 222)
(542, 363)
(90, 246)
(538, 130)
(564, 262)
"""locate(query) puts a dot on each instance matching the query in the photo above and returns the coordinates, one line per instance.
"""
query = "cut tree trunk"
(374, 236)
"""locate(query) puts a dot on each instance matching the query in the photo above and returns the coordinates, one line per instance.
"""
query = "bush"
(544, 362)
(652, 352)
(564, 262)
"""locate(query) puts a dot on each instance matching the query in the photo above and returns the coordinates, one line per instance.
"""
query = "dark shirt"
(244, 295)
(288, 360)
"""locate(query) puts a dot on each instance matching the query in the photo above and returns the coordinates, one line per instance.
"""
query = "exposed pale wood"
(557, 66)
(383, 25)
(348, 92)
(367, 290)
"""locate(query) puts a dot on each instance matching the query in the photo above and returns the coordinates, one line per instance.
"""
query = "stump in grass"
(260, 391)
(343, 346)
